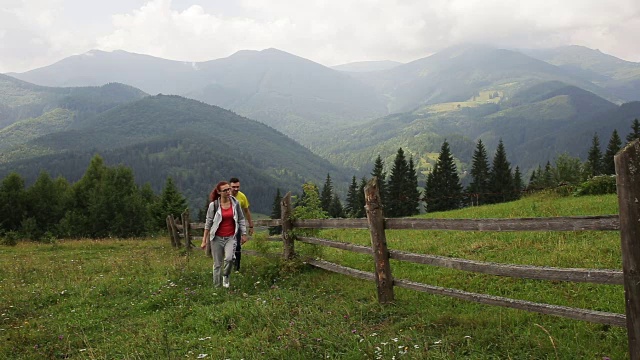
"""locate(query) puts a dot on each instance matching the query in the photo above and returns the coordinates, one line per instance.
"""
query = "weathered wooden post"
(170, 230)
(185, 229)
(175, 239)
(375, 217)
(627, 163)
(287, 227)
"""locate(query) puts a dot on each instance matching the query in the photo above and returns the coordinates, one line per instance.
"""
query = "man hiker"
(244, 204)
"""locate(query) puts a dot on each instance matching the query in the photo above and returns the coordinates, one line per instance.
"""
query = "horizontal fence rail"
(599, 317)
(595, 276)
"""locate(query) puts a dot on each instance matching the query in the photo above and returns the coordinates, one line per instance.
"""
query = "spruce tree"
(547, 176)
(518, 185)
(351, 207)
(335, 209)
(478, 189)
(276, 213)
(501, 178)
(413, 193)
(378, 172)
(397, 186)
(443, 191)
(326, 194)
(171, 200)
(615, 144)
(361, 212)
(594, 157)
(635, 131)
(12, 202)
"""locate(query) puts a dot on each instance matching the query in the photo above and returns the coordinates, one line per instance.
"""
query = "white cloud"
(326, 31)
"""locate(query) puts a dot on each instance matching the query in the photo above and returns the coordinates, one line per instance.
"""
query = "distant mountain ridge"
(194, 143)
(304, 99)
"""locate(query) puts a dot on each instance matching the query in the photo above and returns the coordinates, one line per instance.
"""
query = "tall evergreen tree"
(501, 183)
(276, 213)
(635, 131)
(361, 200)
(378, 172)
(594, 157)
(615, 144)
(335, 209)
(326, 194)
(443, 191)
(12, 202)
(413, 193)
(171, 201)
(518, 185)
(547, 176)
(397, 186)
(351, 206)
(478, 189)
(47, 201)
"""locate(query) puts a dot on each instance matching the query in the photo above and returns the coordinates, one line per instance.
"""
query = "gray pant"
(222, 249)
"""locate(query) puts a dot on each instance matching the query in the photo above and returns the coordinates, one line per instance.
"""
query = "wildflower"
(374, 334)
(82, 350)
(438, 342)
(395, 339)
(467, 337)
(202, 356)
(416, 347)
(60, 337)
(353, 331)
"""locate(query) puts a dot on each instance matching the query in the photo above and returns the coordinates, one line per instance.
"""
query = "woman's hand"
(243, 239)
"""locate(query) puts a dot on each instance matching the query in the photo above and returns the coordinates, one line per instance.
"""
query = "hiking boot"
(225, 281)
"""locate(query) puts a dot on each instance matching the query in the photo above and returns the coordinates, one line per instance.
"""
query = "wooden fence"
(628, 223)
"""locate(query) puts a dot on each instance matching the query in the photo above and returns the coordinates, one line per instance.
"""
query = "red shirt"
(227, 226)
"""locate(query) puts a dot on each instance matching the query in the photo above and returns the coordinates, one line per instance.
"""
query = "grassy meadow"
(141, 299)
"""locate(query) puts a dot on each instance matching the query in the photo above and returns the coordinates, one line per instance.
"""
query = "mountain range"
(539, 102)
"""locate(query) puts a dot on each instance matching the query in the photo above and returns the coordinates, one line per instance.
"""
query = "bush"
(597, 185)
(10, 238)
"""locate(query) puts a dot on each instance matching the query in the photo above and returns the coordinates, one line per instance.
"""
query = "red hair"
(215, 193)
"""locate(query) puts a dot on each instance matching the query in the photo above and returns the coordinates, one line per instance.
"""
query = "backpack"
(207, 249)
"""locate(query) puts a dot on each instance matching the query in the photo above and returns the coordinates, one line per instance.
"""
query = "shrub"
(597, 185)
(10, 238)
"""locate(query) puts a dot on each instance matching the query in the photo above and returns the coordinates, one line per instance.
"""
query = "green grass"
(141, 299)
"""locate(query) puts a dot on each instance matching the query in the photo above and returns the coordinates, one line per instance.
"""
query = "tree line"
(105, 202)
(491, 183)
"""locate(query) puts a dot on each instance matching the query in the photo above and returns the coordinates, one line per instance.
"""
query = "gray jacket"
(214, 217)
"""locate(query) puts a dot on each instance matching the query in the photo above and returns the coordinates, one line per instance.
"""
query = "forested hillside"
(194, 143)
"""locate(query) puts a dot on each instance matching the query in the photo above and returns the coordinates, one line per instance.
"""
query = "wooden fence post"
(185, 229)
(375, 217)
(627, 163)
(170, 230)
(175, 238)
(287, 227)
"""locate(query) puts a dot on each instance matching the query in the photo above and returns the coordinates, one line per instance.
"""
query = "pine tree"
(479, 186)
(351, 207)
(361, 200)
(518, 185)
(397, 186)
(378, 172)
(413, 193)
(635, 131)
(594, 158)
(326, 194)
(615, 144)
(501, 178)
(547, 176)
(171, 201)
(12, 202)
(335, 209)
(443, 191)
(276, 213)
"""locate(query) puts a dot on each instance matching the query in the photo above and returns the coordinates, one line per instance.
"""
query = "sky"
(36, 33)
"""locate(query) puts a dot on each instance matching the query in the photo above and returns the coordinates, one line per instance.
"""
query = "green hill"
(195, 143)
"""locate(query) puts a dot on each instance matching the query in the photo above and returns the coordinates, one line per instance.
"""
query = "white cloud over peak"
(326, 31)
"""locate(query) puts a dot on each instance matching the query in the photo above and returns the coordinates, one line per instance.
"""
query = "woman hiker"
(224, 219)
